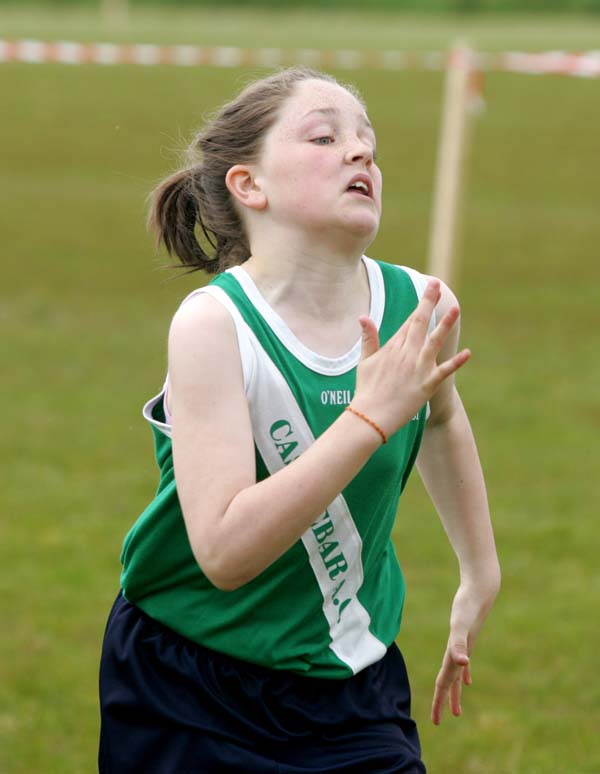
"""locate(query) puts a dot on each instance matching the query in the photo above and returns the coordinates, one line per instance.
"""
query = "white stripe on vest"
(333, 543)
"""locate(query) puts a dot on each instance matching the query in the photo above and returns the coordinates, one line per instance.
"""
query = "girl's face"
(317, 166)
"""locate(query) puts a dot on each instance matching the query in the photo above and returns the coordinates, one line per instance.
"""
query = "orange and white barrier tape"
(583, 65)
(65, 52)
(586, 65)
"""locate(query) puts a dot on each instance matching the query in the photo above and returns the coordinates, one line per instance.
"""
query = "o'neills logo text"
(323, 529)
(336, 397)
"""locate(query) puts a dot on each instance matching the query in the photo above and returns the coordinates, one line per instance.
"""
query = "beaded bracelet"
(366, 419)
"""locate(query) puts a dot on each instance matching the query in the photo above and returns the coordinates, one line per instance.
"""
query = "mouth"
(361, 185)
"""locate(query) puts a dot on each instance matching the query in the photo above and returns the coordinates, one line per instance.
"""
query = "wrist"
(359, 433)
(371, 422)
(483, 581)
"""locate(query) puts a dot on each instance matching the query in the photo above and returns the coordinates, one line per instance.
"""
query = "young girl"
(261, 594)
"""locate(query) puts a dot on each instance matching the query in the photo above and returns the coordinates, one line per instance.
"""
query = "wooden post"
(451, 152)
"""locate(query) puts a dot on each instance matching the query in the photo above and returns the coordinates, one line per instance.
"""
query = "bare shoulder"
(201, 325)
(203, 348)
(200, 318)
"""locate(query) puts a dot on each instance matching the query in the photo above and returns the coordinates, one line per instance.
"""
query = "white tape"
(587, 67)
(309, 56)
(394, 60)
(31, 51)
(106, 53)
(269, 57)
(69, 53)
(348, 60)
(186, 56)
(146, 54)
(226, 57)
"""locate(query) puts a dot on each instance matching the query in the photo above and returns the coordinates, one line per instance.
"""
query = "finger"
(421, 317)
(448, 367)
(440, 333)
(464, 678)
(370, 337)
(437, 706)
(467, 678)
(459, 655)
(444, 680)
(440, 697)
(455, 696)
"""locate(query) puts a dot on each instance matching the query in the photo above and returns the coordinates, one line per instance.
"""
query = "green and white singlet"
(332, 604)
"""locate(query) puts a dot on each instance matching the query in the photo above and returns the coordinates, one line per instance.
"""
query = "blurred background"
(85, 307)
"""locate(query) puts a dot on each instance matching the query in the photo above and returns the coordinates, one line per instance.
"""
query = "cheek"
(302, 182)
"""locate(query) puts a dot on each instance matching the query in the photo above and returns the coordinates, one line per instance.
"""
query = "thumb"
(370, 337)
(459, 652)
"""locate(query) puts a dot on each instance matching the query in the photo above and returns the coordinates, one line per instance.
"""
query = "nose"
(359, 150)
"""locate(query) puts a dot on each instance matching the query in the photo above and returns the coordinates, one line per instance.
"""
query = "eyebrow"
(335, 112)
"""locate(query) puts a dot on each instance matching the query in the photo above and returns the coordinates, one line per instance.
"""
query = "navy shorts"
(170, 706)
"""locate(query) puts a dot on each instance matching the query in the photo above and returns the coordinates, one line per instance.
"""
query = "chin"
(363, 228)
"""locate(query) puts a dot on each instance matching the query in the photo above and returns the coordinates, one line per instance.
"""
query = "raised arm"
(449, 465)
(238, 527)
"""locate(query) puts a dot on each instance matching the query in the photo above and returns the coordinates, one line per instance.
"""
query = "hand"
(455, 671)
(394, 381)
(469, 611)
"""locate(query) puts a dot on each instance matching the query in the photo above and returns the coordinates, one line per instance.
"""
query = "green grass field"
(85, 310)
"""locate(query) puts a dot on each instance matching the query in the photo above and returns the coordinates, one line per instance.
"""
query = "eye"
(323, 140)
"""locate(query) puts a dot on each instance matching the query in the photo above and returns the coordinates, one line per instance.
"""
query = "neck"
(319, 277)
(320, 285)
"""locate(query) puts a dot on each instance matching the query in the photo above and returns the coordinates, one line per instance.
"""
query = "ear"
(245, 188)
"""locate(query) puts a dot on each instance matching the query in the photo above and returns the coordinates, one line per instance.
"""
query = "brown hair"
(196, 197)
